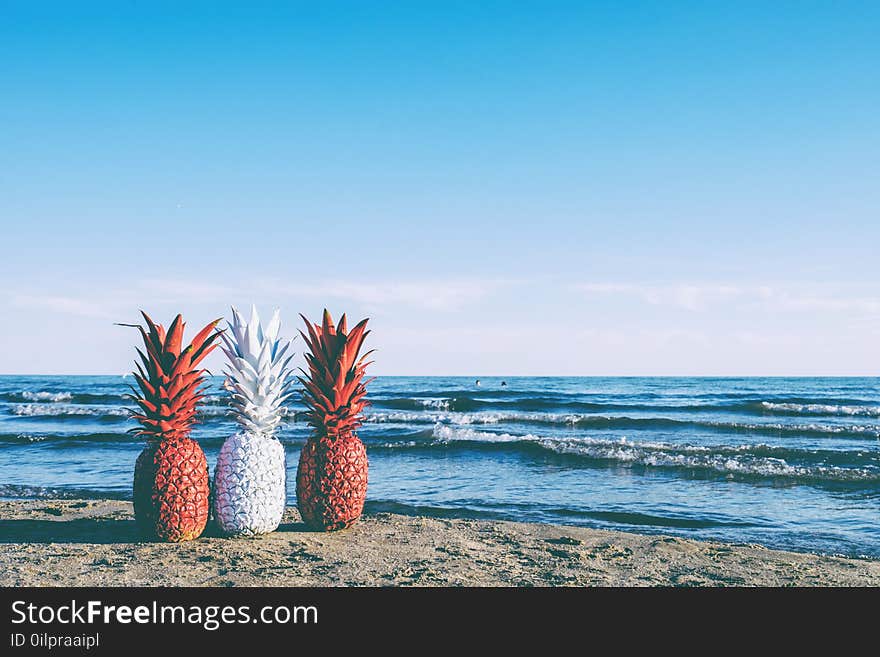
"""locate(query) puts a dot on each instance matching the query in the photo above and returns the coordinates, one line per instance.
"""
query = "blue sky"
(511, 188)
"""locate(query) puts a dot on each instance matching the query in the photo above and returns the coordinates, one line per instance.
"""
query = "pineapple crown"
(169, 381)
(257, 374)
(334, 386)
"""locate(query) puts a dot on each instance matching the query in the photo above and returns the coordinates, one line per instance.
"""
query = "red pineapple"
(331, 481)
(171, 485)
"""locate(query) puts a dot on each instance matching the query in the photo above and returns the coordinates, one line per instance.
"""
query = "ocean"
(791, 463)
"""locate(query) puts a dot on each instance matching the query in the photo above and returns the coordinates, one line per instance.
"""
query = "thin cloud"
(687, 296)
(697, 297)
(865, 305)
(109, 302)
(430, 295)
(63, 305)
(441, 295)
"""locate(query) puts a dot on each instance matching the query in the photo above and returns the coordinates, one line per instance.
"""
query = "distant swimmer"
(503, 383)
(477, 383)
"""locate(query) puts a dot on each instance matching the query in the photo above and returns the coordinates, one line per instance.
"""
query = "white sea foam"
(441, 403)
(479, 417)
(223, 411)
(41, 410)
(605, 421)
(813, 427)
(399, 445)
(736, 460)
(417, 417)
(445, 433)
(55, 410)
(213, 411)
(47, 396)
(822, 409)
(31, 438)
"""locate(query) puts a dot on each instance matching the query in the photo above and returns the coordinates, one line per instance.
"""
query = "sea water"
(787, 463)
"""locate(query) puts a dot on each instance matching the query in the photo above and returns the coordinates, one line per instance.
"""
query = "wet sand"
(95, 543)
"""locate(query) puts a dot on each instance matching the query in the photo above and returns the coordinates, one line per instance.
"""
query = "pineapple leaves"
(258, 372)
(168, 381)
(333, 386)
(175, 336)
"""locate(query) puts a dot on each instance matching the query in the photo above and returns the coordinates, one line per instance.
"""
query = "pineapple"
(171, 485)
(250, 480)
(331, 481)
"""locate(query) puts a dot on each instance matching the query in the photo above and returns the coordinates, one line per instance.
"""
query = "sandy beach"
(94, 543)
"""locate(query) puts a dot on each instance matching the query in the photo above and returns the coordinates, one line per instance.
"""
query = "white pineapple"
(251, 474)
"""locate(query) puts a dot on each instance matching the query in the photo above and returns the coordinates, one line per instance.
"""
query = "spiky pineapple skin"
(172, 490)
(250, 485)
(331, 482)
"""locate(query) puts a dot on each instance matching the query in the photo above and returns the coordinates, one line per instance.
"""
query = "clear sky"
(503, 187)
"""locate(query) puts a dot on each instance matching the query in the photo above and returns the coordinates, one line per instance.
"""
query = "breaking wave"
(59, 397)
(47, 396)
(20, 491)
(786, 408)
(102, 414)
(625, 423)
(791, 406)
(68, 439)
(106, 413)
(746, 461)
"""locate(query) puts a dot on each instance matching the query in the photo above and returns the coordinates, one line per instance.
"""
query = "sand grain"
(95, 543)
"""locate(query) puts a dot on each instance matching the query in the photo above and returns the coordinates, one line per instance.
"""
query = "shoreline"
(95, 543)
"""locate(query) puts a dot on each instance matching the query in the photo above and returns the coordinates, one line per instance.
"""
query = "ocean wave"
(21, 491)
(441, 403)
(787, 408)
(106, 413)
(213, 411)
(428, 417)
(470, 404)
(606, 422)
(60, 397)
(463, 404)
(25, 438)
(750, 461)
(224, 411)
(47, 396)
(70, 412)
(77, 440)
(813, 429)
